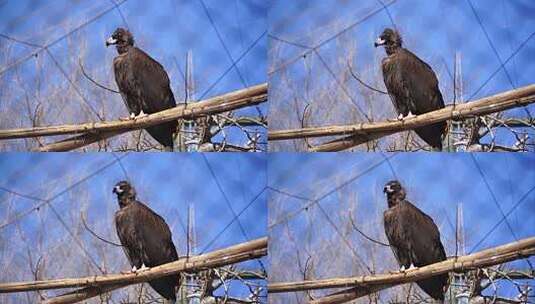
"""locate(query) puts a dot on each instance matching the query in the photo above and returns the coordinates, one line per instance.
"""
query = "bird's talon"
(140, 115)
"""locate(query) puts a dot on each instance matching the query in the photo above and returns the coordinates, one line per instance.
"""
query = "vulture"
(412, 86)
(146, 239)
(144, 85)
(414, 238)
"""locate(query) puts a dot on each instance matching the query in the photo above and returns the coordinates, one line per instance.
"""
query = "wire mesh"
(40, 73)
(322, 208)
(49, 199)
(320, 52)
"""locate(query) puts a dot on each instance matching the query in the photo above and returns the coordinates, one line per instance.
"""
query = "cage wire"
(326, 217)
(42, 79)
(54, 206)
(324, 70)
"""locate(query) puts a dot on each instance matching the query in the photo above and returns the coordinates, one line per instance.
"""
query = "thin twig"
(364, 235)
(93, 81)
(96, 235)
(362, 82)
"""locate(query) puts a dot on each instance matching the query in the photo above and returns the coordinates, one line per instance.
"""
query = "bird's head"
(394, 192)
(390, 39)
(125, 192)
(122, 39)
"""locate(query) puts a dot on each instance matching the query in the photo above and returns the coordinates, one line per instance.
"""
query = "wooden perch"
(365, 285)
(98, 284)
(75, 142)
(82, 294)
(219, 104)
(87, 139)
(349, 294)
(363, 132)
(89, 292)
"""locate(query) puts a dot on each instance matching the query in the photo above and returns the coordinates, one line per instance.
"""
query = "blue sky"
(166, 31)
(166, 183)
(436, 183)
(433, 30)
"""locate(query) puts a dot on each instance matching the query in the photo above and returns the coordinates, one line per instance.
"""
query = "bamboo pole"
(231, 255)
(223, 103)
(75, 142)
(496, 103)
(89, 292)
(87, 139)
(347, 142)
(485, 258)
(82, 294)
(349, 294)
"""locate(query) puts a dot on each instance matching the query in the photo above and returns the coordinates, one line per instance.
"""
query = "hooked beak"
(111, 41)
(379, 42)
(117, 190)
(387, 189)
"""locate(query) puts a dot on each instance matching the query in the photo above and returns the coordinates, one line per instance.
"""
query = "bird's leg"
(133, 270)
(412, 267)
(400, 117)
(402, 269)
(143, 268)
(136, 270)
(409, 115)
(140, 115)
(132, 115)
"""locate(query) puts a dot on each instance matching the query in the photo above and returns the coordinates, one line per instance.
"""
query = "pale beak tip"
(110, 41)
(379, 42)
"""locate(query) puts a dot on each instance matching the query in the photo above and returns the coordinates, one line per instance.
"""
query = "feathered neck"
(392, 49)
(394, 199)
(125, 199)
(123, 48)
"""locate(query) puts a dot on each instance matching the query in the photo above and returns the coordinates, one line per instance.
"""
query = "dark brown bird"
(414, 238)
(144, 85)
(146, 239)
(412, 86)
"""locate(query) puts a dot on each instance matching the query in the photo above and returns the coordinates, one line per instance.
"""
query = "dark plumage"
(144, 85)
(412, 86)
(414, 238)
(145, 237)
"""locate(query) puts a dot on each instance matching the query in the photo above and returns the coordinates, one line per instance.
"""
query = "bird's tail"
(164, 134)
